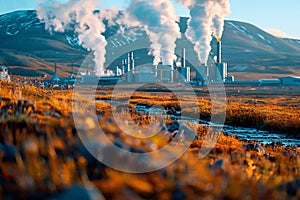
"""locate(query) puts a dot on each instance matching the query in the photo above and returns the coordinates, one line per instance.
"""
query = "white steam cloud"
(159, 20)
(88, 25)
(207, 17)
(156, 16)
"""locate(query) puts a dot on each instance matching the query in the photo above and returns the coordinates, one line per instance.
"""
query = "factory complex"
(214, 72)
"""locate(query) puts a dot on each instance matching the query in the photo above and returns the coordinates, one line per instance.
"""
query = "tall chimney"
(129, 63)
(183, 58)
(132, 61)
(123, 65)
(55, 67)
(219, 50)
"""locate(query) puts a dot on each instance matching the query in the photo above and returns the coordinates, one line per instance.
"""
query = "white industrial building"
(154, 73)
(290, 81)
(269, 82)
(216, 70)
(4, 76)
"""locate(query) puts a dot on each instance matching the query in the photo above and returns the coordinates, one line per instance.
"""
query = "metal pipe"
(183, 64)
(123, 66)
(128, 62)
(132, 61)
(219, 53)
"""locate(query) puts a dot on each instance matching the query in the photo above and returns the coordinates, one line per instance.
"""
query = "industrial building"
(129, 73)
(290, 81)
(160, 73)
(4, 76)
(269, 82)
(285, 81)
(215, 72)
(217, 69)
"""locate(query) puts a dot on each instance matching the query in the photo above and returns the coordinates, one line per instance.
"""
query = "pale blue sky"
(266, 14)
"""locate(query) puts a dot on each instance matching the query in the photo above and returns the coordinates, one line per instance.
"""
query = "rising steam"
(159, 20)
(88, 25)
(156, 16)
(207, 17)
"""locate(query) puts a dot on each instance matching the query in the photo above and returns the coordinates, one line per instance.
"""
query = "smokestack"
(59, 17)
(128, 62)
(183, 58)
(55, 68)
(219, 50)
(206, 16)
(123, 65)
(132, 61)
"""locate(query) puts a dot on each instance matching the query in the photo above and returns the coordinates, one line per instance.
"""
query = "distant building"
(290, 81)
(269, 82)
(4, 76)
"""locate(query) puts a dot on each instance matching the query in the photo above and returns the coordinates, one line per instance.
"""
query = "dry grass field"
(41, 155)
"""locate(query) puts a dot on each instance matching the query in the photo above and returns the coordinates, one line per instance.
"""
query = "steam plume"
(159, 20)
(207, 17)
(88, 24)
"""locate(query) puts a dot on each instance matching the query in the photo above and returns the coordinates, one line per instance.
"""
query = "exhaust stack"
(132, 61)
(88, 69)
(124, 66)
(219, 50)
(128, 62)
(183, 64)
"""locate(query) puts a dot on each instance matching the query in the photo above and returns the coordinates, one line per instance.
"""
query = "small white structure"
(269, 82)
(290, 81)
(4, 76)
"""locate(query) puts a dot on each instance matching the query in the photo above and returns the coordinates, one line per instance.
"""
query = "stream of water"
(244, 134)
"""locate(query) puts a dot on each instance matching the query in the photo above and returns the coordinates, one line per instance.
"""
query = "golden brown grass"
(262, 113)
(280, 114)
(52, 161)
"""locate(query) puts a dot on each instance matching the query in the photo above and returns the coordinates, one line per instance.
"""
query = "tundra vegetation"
(42, 156)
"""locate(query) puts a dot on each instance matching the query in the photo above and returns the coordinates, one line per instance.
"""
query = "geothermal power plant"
(161, 28)
(214, 72)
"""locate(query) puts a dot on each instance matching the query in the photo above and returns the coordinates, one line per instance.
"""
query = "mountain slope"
(28, 49)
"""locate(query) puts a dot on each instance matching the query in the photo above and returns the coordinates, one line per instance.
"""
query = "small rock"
(218, 163)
